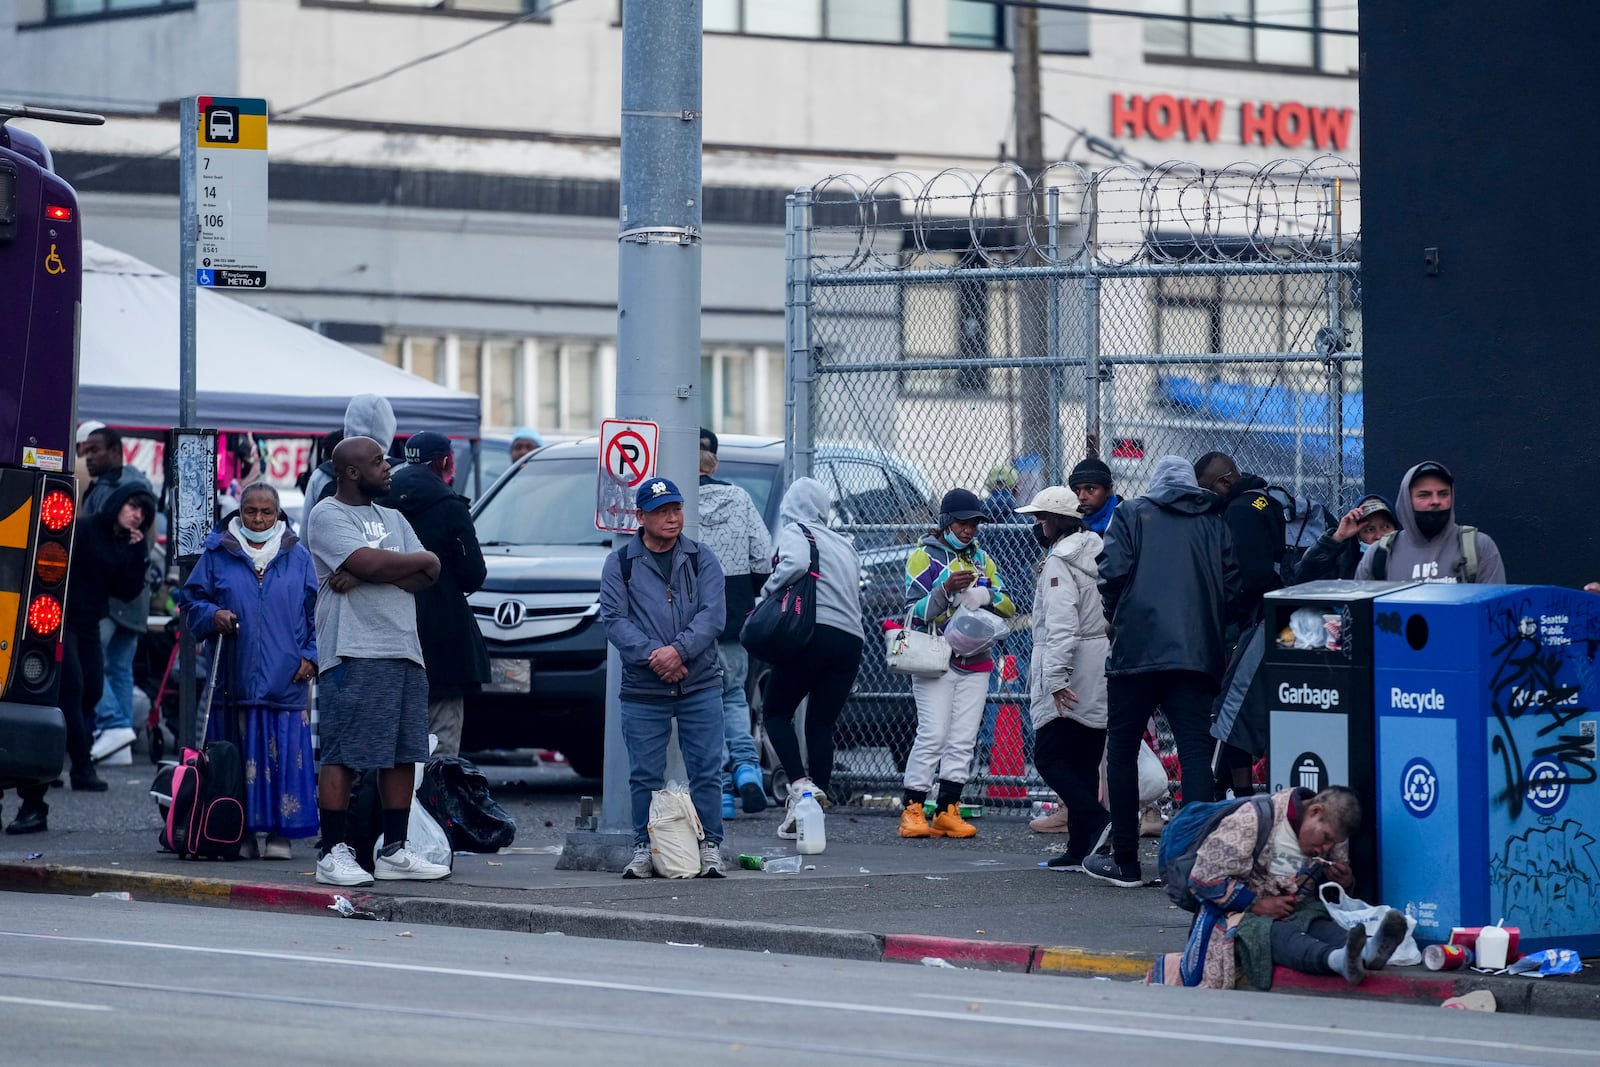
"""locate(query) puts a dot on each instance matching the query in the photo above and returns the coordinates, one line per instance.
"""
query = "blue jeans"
(115, 708)
(739, 747)
(646, 729)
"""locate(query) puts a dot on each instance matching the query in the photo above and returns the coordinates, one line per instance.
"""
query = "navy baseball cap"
(656, 492)
(425, 446)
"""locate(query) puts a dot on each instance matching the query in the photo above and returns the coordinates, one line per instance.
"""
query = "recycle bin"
(1488, 803)
(1317, 667)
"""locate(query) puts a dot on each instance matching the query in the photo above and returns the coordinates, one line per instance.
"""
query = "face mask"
(1040, 536)
(258, 537)
(1365, 548)
(956, 543)
(1431, 523)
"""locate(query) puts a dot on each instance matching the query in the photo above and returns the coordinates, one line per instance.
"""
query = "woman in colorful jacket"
(946, 570)
(1257, 887)
(256, 586)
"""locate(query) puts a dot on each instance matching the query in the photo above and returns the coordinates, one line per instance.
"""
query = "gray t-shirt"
(372, 621)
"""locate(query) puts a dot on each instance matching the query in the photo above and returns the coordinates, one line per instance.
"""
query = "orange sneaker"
(949, 823)
(913, 823)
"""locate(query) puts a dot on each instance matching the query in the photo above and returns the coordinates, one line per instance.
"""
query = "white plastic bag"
(1347, 911)
(424, 836)
(675, 832)
(970, 633)
(1152, 776)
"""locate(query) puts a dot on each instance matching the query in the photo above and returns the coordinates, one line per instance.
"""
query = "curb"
(1516, 996)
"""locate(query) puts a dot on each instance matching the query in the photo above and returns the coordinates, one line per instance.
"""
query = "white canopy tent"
(256, 371)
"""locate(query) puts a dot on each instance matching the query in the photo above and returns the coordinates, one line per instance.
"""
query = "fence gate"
(991, 331)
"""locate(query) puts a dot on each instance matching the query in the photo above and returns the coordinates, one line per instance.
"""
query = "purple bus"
(41, 286)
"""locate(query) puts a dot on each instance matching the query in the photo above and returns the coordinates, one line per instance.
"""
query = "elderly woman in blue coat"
(255, 586)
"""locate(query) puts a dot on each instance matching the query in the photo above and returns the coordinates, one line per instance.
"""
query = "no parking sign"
(627, 457)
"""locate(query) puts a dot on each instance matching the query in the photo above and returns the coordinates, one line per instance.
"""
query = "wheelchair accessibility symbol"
(53, 264)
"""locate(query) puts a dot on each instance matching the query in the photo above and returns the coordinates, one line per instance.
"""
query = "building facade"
(444, 173)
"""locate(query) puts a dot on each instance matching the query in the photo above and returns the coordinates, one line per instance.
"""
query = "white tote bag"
(1152, 776)
(1347, 911)
(910, 651)
(675, 833)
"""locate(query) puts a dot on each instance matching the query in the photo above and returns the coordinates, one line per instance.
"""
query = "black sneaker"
(32, 819)
(1106, 869)
(1065, 863)
(87, 780)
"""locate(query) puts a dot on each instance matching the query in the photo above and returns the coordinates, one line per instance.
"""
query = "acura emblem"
(509, 614)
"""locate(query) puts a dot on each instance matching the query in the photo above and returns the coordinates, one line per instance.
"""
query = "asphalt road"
(102, 981)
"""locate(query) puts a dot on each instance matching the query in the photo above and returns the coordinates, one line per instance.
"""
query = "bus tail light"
(44, 615)
(50, 563)
(56, 511)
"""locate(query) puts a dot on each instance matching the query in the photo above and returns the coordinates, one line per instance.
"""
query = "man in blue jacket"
(663, 603)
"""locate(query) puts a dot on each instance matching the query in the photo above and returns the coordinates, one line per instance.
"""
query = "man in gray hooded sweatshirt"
(1429, 546)
(1170, 584)
(367, 415)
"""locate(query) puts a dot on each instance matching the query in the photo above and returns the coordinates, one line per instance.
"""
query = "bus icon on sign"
(222, 125)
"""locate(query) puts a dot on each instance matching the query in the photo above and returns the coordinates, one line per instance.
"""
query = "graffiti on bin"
(1547, 880)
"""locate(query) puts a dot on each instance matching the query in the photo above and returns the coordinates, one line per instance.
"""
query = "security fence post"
(1092, 373)
(1057, 472)
(799, 406)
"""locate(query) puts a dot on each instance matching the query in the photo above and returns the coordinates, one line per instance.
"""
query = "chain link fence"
(991, 331)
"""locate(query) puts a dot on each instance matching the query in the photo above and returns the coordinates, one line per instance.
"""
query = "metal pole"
(1091, 327)
(800, 376)
(1335, 368)
(188, 232)
(658, 280)
(1057, 472)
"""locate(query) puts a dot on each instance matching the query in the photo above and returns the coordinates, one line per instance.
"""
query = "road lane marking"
(1341, 1051)
(35, 1003)
(1262, 1025)
(546, 1021)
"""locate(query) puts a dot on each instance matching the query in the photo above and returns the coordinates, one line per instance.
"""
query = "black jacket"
(105, 564)
(452, 644)
(1255, 521)
(1329, 560)
(1168, 578)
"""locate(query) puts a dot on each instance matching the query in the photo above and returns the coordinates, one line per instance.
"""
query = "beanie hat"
(957, 505)
(1091, 471)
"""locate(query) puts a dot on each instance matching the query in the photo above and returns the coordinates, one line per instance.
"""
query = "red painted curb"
(994, 955)
(280, 896)
(1376, 985)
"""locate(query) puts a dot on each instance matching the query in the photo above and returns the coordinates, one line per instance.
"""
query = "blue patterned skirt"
(280, 777)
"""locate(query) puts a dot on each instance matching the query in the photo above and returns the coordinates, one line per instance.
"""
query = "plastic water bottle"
(811, 837)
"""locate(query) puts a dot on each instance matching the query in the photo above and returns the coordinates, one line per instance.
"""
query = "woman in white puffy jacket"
(1067, 676)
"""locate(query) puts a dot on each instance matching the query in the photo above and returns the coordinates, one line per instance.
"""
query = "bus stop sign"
(627, 458)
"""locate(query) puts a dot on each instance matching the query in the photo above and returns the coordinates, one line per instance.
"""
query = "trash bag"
(970, 633)
(1348, 911)
(456, 793)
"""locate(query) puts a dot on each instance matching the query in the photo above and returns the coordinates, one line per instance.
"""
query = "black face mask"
(1431, 523)
(1041, 536)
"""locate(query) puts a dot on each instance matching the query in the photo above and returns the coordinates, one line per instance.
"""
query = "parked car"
(539, 608)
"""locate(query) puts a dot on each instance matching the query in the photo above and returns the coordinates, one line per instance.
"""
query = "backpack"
(1181, 840)
(205, 813)
(1306, 520)
(1467, 571)
(625, 562)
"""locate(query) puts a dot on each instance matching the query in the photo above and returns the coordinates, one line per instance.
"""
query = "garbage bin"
(1488, 805)
(1317, 667)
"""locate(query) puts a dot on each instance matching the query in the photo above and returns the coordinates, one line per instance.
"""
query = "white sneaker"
(640, 866)
(110, 742)
(339, 867)
(404, 865)
(277, 848)
(710, 860)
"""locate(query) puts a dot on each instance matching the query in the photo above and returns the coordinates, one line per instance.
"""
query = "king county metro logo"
(1547, 786)
(1419, 787)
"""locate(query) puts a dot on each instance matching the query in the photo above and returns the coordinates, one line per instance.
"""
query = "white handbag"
(909, 651)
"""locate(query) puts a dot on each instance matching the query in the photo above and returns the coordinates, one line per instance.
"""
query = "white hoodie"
(1069, 633)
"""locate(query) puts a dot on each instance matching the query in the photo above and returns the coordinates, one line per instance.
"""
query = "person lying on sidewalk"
(1259, 906)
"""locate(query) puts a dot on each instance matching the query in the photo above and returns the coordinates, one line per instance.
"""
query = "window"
(71, 9)
(836, 20)
(568, 386)
(1250, 43)
(741, 389)
(490, 7)
(981, 24)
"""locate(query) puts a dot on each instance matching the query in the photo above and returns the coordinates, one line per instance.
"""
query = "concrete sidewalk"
(981, 903)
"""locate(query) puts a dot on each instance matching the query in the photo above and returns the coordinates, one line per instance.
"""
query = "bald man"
(372, 691)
